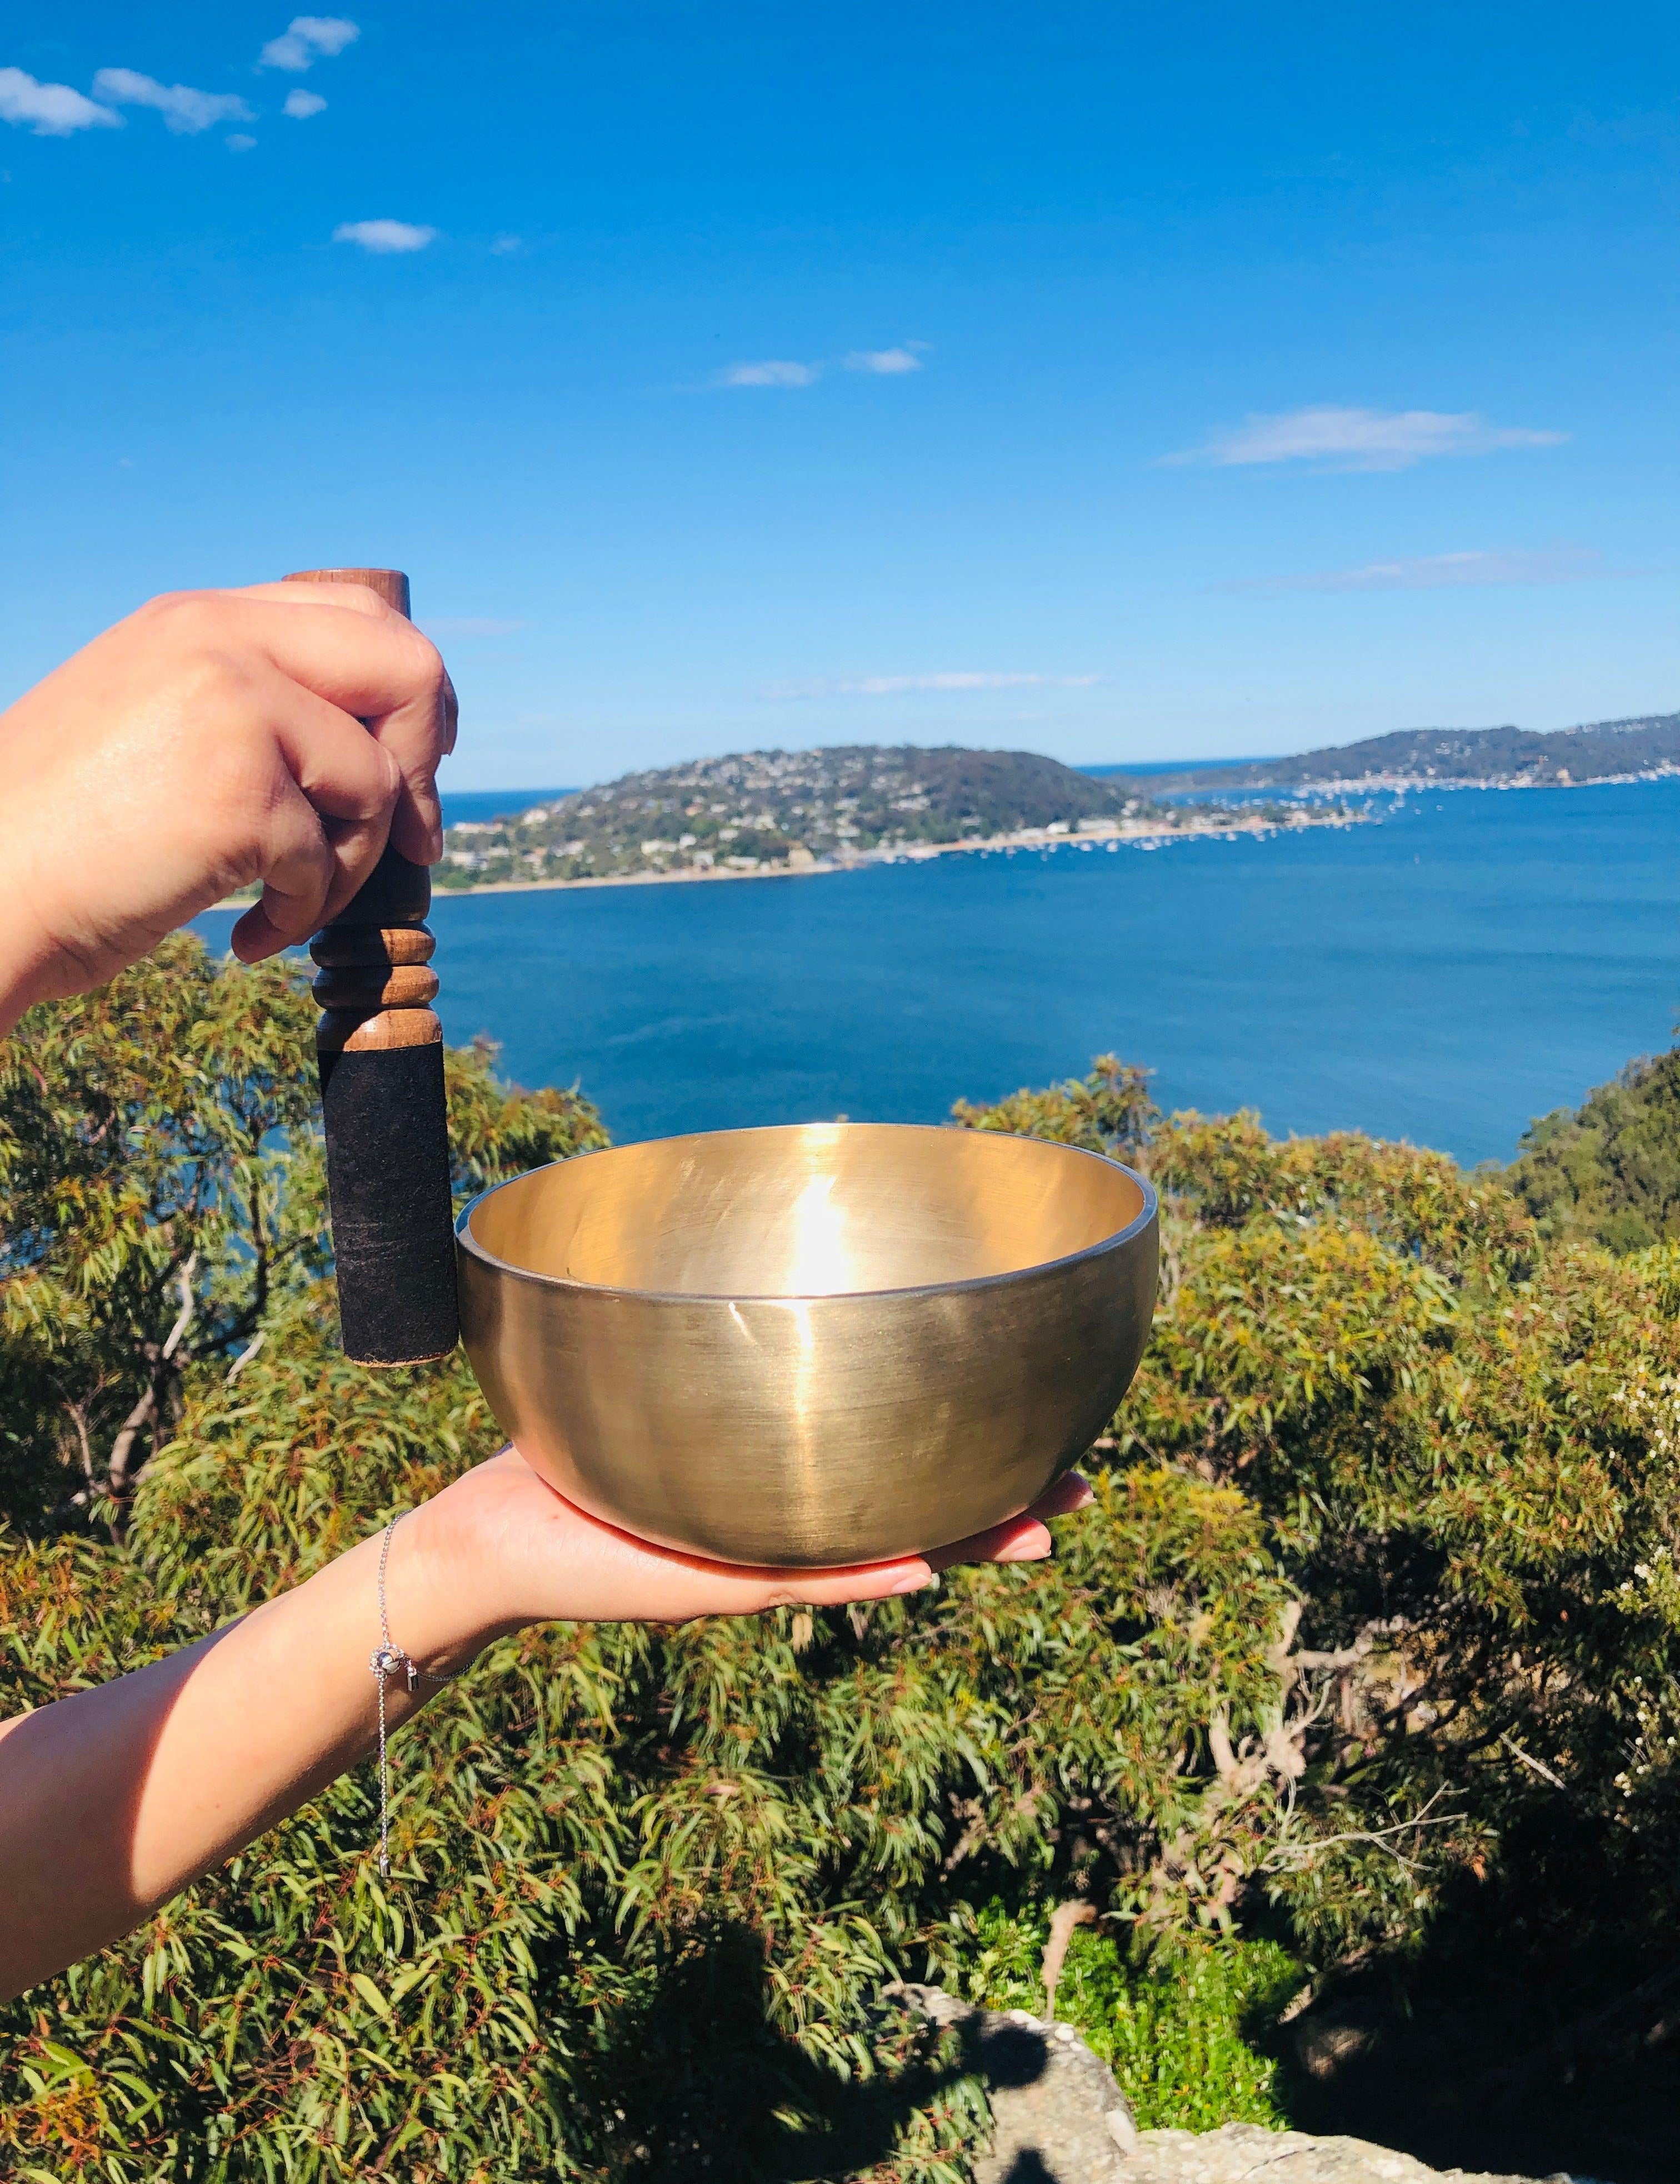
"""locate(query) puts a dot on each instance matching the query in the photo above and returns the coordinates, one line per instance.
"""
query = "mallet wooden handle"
(381, 1049)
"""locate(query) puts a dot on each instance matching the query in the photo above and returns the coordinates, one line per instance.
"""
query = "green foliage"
(146, 1161)
(1609, 1171)
(1228, 1172)
(1108, 1111)
(603, 1837)
(165, 1201)
(1462, 1474)
(498, 1130)
(1183, 2033)
(1366, 1650)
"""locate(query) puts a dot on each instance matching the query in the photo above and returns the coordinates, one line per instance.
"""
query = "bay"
(1471, 961)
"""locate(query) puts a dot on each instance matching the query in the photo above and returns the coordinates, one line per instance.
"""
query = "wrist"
(28, 954)
(444, 1581)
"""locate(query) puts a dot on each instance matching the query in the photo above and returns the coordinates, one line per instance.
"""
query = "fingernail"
(1024, 1550)
(930, 1583)
(1082, 1498)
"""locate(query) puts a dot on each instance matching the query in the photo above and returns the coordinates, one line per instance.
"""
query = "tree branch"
(1063, 1920)
(247, 1354)
(122, 1448)
(121, 1468)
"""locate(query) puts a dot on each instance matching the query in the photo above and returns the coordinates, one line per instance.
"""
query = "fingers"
(715, 1589)
(843, 1588)
(359, 598)
(297, 879)
(255, 938)
(585, 1569)
(695, 1587)
(1072, 1491)
(342, 770)
(342, 642)
(329, 814)
(1022, 1539)
(417, 742)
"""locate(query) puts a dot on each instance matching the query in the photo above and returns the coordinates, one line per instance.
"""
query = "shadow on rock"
(695, 2081)
(1058, 2116)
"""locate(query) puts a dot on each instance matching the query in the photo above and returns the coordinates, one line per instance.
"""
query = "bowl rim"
(468, 1245)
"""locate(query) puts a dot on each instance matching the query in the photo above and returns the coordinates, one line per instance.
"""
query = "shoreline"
(1146, 838)
(1402, 784)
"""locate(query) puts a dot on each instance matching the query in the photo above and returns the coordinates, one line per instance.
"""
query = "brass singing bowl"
(836, 1342)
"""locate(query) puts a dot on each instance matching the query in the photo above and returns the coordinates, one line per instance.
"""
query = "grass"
(1180, 2036)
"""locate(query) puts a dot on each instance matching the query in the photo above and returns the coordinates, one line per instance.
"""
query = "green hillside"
(1609, 1171)
(774, 808)
(1602, 751)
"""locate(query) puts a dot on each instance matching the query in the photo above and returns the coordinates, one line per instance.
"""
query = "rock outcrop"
(1058, 2117)
(1243, 2150)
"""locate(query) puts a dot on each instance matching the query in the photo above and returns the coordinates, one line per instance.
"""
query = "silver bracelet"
(388, 1659)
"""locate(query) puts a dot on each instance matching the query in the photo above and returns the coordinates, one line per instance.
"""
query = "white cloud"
(300, 104)
(1362, 439)
(506, 245)
(306, 39)
(772, 371)
(50, 109)
(384, 236)
(905, 357)
(186, 112)
(240, 143)
(893, 686)
(1429, 572)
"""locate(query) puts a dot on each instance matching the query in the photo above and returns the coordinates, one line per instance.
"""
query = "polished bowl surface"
(830, 1342)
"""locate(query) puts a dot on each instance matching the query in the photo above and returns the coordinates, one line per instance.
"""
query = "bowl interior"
(822, 1209)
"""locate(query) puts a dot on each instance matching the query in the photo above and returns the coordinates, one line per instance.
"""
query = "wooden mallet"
(381, 1049)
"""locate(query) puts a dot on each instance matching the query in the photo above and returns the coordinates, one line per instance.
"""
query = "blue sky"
(1123, 382)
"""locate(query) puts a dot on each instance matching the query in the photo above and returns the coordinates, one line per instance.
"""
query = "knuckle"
(424, 663)
(196, 648)
(373, 796)
(213, 688)
(291, 917)
(206, 712)
(370, 783)
(190, 616)
(433, 675)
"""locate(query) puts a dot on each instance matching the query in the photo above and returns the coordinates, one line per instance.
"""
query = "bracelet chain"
(387, 1660)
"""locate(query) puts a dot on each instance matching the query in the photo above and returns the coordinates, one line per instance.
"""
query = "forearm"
(113, 1800)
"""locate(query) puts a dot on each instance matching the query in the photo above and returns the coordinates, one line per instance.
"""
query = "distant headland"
(1643, 749)
(761, 814)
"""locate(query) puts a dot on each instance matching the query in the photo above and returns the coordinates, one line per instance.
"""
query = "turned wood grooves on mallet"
(381, 1049)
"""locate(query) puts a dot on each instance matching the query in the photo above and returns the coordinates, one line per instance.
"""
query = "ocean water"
(460, 803)
(1472, 961)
